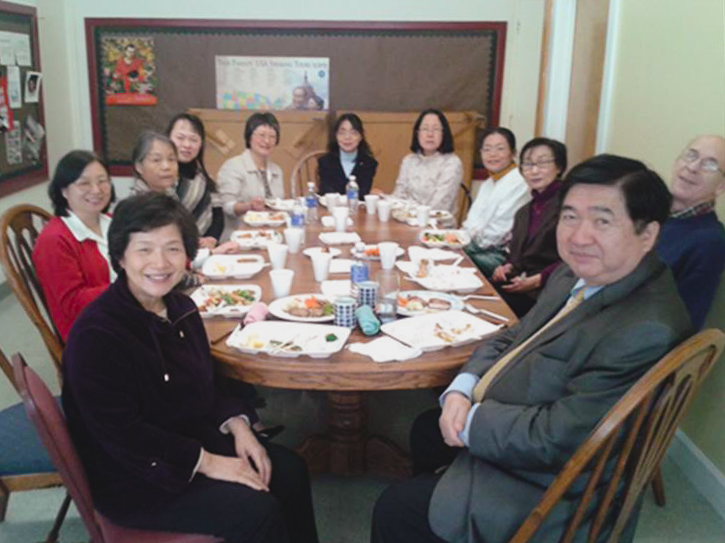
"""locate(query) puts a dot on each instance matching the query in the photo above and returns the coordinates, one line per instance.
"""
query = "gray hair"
(144, 143)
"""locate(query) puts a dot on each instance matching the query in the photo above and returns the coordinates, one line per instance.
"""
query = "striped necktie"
(488, 377)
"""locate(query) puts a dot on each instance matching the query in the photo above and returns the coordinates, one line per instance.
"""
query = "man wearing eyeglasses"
(692, 241)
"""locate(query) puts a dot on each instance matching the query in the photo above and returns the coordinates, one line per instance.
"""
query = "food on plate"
(371, 250)
(217, 298)
(424, 267)
(417, 303)
(450, 334)
(450, 238)
(330, 338)
(311, 307)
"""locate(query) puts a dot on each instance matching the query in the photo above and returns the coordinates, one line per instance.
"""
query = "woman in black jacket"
(348, 154)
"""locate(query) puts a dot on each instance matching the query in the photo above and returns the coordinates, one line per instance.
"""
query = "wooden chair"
(19, 228)
(24, 461)
(46, 416)
(305, 171)
(629, 442)
(464, 202)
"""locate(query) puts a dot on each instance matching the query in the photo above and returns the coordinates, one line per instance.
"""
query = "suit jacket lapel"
(649, 266)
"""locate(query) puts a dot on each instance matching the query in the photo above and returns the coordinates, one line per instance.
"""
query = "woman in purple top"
(532, 249)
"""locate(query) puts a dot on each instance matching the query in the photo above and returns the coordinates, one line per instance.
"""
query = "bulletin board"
(23, 154)
(374, 66)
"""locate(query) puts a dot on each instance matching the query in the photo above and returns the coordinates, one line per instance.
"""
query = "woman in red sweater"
(71, 253)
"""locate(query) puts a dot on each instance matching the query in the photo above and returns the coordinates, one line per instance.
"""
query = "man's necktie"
(485, 381)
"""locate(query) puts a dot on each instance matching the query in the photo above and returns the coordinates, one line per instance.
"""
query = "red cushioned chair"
(48, 419)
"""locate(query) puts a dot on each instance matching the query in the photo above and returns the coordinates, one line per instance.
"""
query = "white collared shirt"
(81, 233)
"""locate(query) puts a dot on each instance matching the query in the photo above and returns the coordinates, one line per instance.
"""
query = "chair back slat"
(19, 229)
(305, 171)
(630, 442)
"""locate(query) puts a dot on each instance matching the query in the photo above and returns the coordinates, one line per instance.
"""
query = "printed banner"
(272, 83)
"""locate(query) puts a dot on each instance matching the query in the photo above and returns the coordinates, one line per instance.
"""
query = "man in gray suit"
(531, 394)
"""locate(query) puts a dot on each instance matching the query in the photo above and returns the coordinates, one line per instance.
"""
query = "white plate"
(255, 239)
(438, 330)
(202, 295)
(280, 204)
(339, 238)
(452, 239)
(416, 253)
(443, 278)
(265, 218)
(409, 215)
(312, 250)
(232, 266)
(279, 307)
(426, 295)
(310, 338)
(362, 256)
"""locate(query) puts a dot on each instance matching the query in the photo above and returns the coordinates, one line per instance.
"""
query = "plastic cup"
(277, 255)
(388, 253)
(340, 214)
(423, 216)
(281, 282)
(293, 238)
(331, 200)
(321, 265)
(371, 203)
(384, 207)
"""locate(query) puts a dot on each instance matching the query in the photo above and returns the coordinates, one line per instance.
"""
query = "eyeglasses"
(86, 185)
(430, 129)
(499, 149)
(541, 164)
(343, 133)
(268, 136)
(709, 165)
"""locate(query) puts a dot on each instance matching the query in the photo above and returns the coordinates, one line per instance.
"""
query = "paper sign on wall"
(272, 83)
(14, 87)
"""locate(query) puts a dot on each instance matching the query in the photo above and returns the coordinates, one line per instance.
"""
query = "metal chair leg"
(59, 518)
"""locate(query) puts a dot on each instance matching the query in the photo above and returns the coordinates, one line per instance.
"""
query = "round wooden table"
(346, 376)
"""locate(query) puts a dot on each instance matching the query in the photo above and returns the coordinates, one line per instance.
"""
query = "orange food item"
(312, 303)
(372, 251)
(402, 301)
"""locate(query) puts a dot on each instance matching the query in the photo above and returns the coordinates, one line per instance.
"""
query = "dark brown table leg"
(346, 448)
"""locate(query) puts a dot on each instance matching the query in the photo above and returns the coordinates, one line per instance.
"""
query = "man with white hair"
(692, 241)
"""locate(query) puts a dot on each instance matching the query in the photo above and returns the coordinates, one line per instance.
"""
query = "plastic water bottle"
(298, 215)
(311, 203)
(359, 272)
(353, 192)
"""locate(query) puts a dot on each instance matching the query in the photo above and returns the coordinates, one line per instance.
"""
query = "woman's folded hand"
(233, 470)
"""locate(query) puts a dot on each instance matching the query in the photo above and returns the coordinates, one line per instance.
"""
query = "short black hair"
(446, 145)
(505, 132)
(143, 145)
(260, 119)
(143, 213)
(356, 122)
(646, 196)
(557, 148)
(69, 170)
(190, 170)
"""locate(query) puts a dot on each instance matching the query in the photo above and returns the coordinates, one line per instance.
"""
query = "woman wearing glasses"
(532, 249)
(348, 154)
(71, 253)
(432, 173)
(246, 180)
(491, 216)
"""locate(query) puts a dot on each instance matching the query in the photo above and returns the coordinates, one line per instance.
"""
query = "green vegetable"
(330, 337)
(327, 309)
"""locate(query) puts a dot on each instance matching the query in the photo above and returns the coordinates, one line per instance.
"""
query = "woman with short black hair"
(71, 253)
(432, 174)
(163, 449)
(247, 180)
